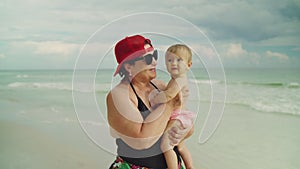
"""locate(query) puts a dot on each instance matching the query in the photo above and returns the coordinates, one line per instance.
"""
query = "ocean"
(40, 125)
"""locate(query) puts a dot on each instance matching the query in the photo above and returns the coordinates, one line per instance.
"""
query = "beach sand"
(23, 146)
(250, 139)
(245, 139)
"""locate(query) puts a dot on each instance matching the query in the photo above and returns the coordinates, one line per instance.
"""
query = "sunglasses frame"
(148, 58)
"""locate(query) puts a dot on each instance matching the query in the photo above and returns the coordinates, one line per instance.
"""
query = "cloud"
(243, 20)
(277, 55)
(53, 48)
(222, 19)
(291, 10)
(236, 55)
(203, 50)
(235, 50)
(54, 28)
(2, 56)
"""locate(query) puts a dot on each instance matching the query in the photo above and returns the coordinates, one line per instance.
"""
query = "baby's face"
(176, 65)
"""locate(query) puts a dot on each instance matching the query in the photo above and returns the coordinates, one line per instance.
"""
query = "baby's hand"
(177, 133)
(152, 96)
(185, 92)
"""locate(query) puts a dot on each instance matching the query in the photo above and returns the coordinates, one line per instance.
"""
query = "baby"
(178, 61)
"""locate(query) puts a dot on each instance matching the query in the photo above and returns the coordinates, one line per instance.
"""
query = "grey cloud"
(242, 20)
(251, 20)
(291, 10)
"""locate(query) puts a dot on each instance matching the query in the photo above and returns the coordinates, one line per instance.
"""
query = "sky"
(49, 34)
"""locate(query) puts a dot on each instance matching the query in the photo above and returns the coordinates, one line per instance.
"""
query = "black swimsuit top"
(151, 157)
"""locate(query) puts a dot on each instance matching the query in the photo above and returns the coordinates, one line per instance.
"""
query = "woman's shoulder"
(159, 83)
(119, 88)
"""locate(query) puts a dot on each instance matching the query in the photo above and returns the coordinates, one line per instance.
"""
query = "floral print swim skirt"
(119, 163)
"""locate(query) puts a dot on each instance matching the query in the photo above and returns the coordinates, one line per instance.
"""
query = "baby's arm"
(173, 88)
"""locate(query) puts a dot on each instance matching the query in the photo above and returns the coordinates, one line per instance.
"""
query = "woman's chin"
(153, 73)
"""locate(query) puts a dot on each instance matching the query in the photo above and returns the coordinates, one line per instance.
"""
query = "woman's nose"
(154, 62)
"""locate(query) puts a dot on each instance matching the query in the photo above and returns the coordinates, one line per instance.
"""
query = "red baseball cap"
(129, 48)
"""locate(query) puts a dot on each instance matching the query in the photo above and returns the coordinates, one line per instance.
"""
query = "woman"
(136, 125)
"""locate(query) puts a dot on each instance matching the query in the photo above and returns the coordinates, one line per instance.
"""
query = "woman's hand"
(177, 133)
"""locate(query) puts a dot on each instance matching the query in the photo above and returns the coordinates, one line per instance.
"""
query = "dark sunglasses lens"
(148, 58)
(155, 55)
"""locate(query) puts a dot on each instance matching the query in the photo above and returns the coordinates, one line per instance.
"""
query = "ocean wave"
(203, 81)
(22, 76)
(270, 84)
(69, 120)
(245, 83)
(293, 85)
(287, 108)
(61, 86)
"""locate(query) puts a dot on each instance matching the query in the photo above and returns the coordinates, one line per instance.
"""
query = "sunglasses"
(148, 57)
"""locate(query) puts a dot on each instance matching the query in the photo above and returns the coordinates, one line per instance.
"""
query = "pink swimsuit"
(186, 117)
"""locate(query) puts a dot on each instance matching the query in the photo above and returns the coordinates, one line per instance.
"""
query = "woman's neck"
(141, 83)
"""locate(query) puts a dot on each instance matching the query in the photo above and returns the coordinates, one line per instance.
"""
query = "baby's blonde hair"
(182, 51)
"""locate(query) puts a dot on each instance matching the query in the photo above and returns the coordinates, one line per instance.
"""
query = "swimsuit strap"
(150, 83)
(155, 86)
(133, 89)
(141, 105)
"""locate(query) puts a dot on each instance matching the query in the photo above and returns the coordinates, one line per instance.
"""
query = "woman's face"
(142, 70)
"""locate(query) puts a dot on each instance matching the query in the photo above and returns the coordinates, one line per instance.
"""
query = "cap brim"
(118, 69)
(133, 56)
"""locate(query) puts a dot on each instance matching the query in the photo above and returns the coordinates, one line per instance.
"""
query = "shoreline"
(245, 138)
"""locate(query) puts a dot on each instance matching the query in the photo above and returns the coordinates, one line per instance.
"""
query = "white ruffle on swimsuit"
(186, 117)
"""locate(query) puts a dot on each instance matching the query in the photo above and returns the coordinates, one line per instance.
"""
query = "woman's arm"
(125, 119)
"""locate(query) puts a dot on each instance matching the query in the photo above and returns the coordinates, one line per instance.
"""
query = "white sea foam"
(267, 84)
(293, 85)
(54, 109)
(93, 123)
(204, 81)
(17, 84)
(267, 101)
(22, 76)
(286, 108)
(61, 86)
(70, 120)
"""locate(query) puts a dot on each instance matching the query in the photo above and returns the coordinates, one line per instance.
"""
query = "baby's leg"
(190, 132)
(167, 147)
(186, 155)
(171, 159)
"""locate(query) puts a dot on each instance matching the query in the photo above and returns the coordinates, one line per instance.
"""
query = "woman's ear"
(189, 65)
(128, 67)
